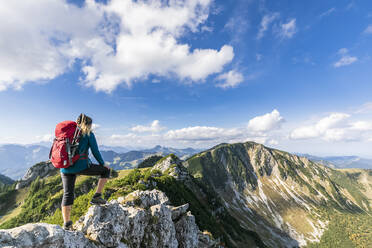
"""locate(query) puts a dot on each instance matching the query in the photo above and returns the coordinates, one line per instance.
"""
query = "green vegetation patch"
(346, 231)
(44, 198)
(349, 181)
(150, 161)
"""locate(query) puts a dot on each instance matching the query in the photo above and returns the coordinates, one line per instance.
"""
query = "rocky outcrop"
(41, 170)
(43, 236)
(172, 165)
(141, 219)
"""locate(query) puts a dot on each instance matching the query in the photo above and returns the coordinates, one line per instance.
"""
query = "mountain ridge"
(243, 193)
(260, 184)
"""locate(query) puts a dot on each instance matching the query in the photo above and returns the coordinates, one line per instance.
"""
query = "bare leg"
(66, 211)
(101, 183)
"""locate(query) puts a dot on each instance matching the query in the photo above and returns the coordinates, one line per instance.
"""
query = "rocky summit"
(141, 219)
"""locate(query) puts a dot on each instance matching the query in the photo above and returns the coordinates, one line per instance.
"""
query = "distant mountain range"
(132, 159)
(341, 162)
(16, 159)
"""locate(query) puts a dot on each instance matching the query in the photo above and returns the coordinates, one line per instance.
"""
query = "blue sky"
(295, 75)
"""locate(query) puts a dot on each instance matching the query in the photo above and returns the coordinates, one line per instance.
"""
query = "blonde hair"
(85, 123)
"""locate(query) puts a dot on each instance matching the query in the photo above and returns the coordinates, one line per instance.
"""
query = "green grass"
(346, 231)
(349, 181)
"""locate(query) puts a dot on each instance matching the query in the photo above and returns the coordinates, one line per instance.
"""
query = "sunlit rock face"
(141, 219)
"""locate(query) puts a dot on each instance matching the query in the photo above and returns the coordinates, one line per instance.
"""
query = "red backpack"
(64, 151)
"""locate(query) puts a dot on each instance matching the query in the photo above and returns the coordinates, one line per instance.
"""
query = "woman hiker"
(83, 166)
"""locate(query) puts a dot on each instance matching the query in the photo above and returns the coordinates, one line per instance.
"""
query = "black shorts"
(68, 181)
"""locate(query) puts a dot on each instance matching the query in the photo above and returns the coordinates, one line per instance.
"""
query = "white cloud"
(287, 30)
(95, 126)
(267, 122)
(45, 138)
(335, 127)
(231, 79)
(368, 30)
(198, 133)
(202, 136)
(365, 108)
(118, 43)
(265, 23)
(327, 13)
(36, 38)
(320, 128)
(361, 126)
(154, 127)
(345, 59)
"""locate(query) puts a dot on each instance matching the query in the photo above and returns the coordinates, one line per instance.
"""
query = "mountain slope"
(4, 180)
(282, 197)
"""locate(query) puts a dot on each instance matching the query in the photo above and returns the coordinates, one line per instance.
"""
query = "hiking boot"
(67, 225)
(98, 201)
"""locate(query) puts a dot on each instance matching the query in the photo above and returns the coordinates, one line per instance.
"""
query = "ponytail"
(85, 123)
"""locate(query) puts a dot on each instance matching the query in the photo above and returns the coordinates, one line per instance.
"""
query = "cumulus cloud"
(320, 128)
(266, 122)
(259, 130)
(265, 23)
(231, 79)
(120, 42)
(335, 127)
(153, 127)
(38, 36)
(345, 58)
(287, 30)
(198, 133)
(361, 126)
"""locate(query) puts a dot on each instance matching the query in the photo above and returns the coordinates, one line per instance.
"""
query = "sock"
(97, 195)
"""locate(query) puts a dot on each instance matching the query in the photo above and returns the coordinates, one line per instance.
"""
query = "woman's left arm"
(94, 148)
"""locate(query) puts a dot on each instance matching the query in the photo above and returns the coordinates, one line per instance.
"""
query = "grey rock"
(141, 219)
(43, 235)
(161, 231)
(145, 199)
(173, 166)
(206, 241)
(178, 211)
(41, 170)
(187, 231)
